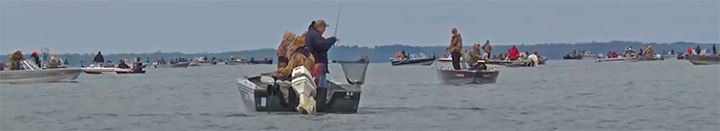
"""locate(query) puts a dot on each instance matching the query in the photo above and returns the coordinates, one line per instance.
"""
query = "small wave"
(141, 115)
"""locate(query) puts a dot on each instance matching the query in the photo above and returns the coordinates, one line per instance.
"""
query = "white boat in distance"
(31, 73)
(98, 69)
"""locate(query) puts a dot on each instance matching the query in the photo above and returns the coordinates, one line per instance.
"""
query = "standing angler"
(319, 46)
(487, 48)
(455, 48)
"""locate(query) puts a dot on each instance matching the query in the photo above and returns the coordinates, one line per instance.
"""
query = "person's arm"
(322, 44)
(453, 44)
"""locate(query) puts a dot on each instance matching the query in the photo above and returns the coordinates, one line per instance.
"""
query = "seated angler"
(54, 62)
(474, 55)
(297, 56)
(282, 50)
(649, 52)
(15, 59)
(122, 65)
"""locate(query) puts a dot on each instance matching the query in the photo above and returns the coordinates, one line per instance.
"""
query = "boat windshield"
(28, 65)
(422, 55)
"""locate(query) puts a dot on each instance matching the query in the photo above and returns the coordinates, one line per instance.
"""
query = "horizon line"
(396, 44)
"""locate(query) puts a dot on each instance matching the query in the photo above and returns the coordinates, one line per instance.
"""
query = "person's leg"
(456, 60)
(319, 74)
(321, 80)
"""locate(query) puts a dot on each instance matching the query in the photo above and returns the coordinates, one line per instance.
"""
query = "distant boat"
(704, 60)
(619, 58)
(202, 62)
(99, 68)
(129, 71)
(449, 76)
(31, 73)
(415, 59)
(570, 57)
(236, 62)
(503, 63)
(268, 61)
(657, 57)
(585, 55)
(172, 65)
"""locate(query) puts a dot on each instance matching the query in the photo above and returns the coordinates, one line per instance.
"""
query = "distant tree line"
(384, 52)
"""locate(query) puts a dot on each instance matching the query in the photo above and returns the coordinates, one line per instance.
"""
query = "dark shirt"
(318, 46)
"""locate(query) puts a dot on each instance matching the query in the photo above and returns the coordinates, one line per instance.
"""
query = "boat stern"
(486, 77)
(246, 88)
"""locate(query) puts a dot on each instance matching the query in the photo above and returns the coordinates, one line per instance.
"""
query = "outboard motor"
(304, 85)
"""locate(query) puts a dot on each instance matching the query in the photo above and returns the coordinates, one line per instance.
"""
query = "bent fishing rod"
(337, 22)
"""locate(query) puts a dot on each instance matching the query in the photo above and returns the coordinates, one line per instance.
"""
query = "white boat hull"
(98, 70)
(247, 91)
(176, 65)
(614, 59)
(422, 63)
(39, 76)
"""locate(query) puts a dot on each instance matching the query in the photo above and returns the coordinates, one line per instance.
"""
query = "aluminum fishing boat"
(31, 73)
(263, 93)
(450, 76)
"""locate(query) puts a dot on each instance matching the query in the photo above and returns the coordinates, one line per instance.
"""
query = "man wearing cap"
(35, 57)
(455, 48)
(474, 55)
(319, 46)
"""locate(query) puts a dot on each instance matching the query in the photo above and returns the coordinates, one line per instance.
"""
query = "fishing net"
(354, 71)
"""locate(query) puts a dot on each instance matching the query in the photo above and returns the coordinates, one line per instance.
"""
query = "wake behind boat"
(31, 73)
(263, 93)
(413, 59)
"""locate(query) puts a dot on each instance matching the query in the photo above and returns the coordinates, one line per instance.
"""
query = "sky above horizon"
(218, 26)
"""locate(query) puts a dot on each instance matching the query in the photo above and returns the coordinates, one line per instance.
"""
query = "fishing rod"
(337, 21)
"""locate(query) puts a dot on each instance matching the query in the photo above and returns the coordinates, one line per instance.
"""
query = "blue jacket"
(318, 46)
